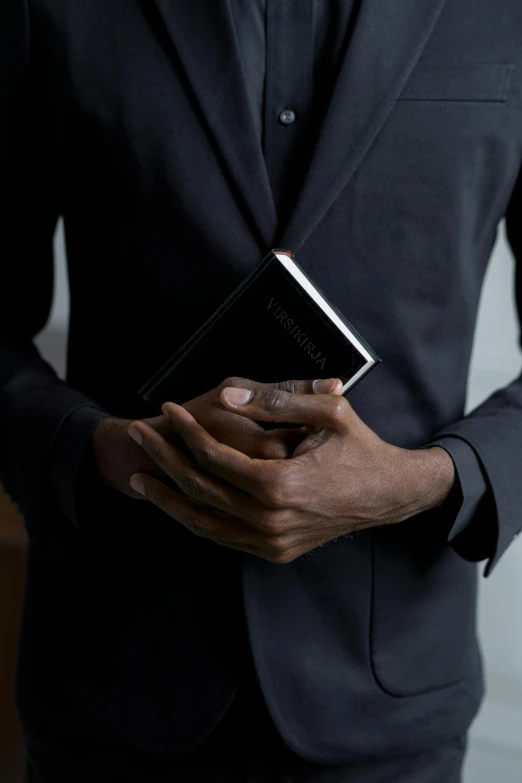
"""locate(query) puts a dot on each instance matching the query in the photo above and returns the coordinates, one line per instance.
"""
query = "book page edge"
(296, 273)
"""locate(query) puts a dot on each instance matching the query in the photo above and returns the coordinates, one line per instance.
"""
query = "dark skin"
(338, 478)
(114, 457)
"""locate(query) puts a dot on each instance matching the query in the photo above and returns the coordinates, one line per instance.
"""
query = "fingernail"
(323, 385)
(238, 396)
(137, 485)
(135, 435)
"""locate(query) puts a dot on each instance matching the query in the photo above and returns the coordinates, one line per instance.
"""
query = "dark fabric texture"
(277, 72)
(244, 748)
(274, 68)
(131, 122)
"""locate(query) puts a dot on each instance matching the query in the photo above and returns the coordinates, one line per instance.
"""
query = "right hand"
(114, 456)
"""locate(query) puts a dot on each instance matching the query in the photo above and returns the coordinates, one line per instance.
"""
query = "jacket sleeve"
(494, 432)
(34, 402)
(472, 516)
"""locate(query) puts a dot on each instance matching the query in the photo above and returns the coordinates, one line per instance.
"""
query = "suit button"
(287, 116)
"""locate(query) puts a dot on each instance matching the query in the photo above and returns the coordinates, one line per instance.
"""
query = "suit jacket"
(125, 121)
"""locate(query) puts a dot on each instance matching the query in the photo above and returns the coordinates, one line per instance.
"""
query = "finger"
(280, 443)
(197, 484)
(200, 521)
(164, 427)
(302, 386)
(247, 473)
(327, 386)
(315, 411)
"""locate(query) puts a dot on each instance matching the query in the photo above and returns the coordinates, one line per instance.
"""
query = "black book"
(276, 325)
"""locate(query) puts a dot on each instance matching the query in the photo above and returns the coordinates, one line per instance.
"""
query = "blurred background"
(495, 752)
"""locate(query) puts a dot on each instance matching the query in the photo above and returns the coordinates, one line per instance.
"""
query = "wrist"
(434, 477)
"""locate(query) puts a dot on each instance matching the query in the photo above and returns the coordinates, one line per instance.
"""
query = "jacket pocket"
(487, 82)
(423, 616)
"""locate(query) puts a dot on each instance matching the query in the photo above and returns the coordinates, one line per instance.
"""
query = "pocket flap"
(482, 82)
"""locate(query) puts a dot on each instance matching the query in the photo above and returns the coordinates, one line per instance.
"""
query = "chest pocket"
(483, 83)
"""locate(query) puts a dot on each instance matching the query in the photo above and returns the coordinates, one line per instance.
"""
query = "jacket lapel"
(387, 41)
(204, 37)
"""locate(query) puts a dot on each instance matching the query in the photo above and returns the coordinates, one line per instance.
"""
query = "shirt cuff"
(474, 530)
(470, 477)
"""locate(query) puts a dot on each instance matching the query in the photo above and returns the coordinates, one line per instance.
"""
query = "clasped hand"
(340, 478)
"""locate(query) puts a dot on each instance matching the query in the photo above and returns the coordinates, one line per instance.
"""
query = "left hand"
(341, 478)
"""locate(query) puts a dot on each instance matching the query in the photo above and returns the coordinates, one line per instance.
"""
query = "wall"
(496, 737)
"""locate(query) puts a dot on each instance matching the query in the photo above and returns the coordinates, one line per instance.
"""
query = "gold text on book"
(296, 332)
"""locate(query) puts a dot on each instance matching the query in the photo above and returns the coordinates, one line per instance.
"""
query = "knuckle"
(275, 399)
(155, 452)
(205, 458)
(337, 408)
(279, 552)
(271, 522)
(190, 485)
(287, 386)
(281, 489)
(195, 525)
(272, 494)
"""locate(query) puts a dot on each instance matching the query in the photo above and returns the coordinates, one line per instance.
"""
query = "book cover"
(276, 325)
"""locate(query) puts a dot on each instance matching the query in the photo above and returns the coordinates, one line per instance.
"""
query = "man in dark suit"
(253, 607)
